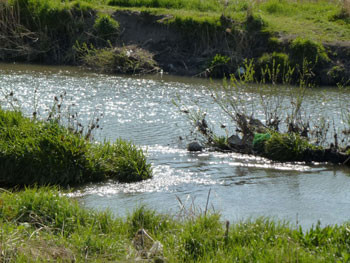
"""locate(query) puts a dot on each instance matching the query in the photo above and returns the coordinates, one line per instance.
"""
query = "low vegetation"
(294, 32)
(34, 152)
(42, 225)
(123, 60)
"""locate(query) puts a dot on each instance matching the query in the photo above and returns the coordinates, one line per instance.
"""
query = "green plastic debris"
(259, 141)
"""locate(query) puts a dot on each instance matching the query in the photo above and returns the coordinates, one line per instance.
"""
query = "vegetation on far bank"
(34, 152)
(318, 20)
(41, 225)
(81, 32)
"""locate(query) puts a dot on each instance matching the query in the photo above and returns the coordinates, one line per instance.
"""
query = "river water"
(141, 109)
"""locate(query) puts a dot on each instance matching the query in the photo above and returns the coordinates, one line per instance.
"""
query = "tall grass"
(40, 225)
(42, 153)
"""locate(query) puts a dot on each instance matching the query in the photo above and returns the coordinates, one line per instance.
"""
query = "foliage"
(43, 153)
(57, 24)
(219, 66)
(274, 67)
(286, 147)
(208, 5)
(125, 60)
(254, 23)
(307, 50)
(40, 224)
(337, 75)
(106, 27)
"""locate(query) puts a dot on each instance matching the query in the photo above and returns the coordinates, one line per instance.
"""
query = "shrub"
(274, 67)
(125, 60)
(274, 44)
(337, 74)
(286, 147)
(106, 27)
(46, 153)
(274, 59)
(311, 51)
(219, 66)
(254, 23)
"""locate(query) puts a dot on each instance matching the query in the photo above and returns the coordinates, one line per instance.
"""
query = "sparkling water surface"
(142, 109)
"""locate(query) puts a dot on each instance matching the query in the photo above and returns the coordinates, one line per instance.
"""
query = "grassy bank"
(46, 153)
(52, 31)
(40, 225)
(81, 32)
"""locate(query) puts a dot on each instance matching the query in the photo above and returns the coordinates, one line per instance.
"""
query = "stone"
(194, 147)
(235, 141)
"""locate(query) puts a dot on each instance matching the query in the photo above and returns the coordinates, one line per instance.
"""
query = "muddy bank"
(190, 48)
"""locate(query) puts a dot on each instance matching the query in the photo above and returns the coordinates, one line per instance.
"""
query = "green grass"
(43, 153)
(317, 20)
(286, 147)
(41, 225)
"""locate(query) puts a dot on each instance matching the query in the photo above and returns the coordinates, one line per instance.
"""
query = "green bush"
(106, 27)
(219, 66)
(125, 60)
(337, 74)
(274, 67)
(286, 147)
(254, 23)
(272, 60)
(307, 50)
(45, 153)
(274, 44)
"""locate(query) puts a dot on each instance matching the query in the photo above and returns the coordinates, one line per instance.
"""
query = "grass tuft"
(46, 153)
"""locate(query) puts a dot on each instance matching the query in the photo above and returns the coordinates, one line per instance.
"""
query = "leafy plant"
(106, 27)
(286, 147)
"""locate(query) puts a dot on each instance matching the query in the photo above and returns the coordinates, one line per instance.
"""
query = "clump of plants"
(106, 28)
(57, 24)
(286, 147)
(274, 67)
(337, 75)
(307, 50)
(219, 66)
(124, 60)
(46, 153)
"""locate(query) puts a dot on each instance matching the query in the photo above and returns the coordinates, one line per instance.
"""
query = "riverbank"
(42, 225)
(194, 39)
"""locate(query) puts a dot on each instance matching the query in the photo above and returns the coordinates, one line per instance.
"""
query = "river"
(141, 109)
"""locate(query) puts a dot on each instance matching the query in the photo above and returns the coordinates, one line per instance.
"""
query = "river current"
(142, 109)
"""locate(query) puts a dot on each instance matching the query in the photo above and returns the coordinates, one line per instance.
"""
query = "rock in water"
(194, 147)
(235, 142)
